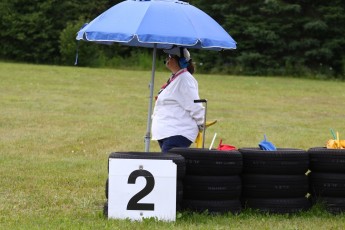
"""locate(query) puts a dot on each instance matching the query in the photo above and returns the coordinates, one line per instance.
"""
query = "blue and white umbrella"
(157, 24)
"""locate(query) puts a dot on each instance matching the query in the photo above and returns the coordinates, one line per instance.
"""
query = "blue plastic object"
(266, 145)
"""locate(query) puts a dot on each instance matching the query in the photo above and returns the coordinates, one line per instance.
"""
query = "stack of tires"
(177, 159)
(212, 182)
(327, 178)
(275, 181)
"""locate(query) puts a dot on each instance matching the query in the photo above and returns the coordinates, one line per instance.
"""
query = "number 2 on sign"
(150, 183)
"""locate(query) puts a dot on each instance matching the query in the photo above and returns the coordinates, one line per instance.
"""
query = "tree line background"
(274, 37)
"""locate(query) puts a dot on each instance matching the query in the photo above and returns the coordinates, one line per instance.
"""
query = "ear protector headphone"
(182, 60)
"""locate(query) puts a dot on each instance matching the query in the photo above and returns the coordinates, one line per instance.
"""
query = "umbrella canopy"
(162, 22)
(157, 24)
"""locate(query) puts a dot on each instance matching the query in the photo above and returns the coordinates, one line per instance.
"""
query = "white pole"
(214, 137)
(151, 86)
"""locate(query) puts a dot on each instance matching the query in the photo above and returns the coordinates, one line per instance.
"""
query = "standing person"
(176, 119)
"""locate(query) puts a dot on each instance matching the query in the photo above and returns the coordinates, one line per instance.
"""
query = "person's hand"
(201, 128)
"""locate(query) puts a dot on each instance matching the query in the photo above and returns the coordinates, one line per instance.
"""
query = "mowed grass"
(59, 124)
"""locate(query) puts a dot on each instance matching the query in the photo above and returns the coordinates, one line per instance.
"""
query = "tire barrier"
(212, 182)
(204, 162)
(327, 178)
(334, 205)
(279, 206)
(105, 209)
(327, 184)
(213, 206)
(212, 187)
(177, 159)
(275, 181)
(327, 160)
(274, 186)
(283, 161)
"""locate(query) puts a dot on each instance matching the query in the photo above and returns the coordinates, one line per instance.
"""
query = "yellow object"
(335, 144)
(198, 140)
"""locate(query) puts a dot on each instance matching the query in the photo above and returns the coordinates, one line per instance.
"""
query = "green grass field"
(59, 124)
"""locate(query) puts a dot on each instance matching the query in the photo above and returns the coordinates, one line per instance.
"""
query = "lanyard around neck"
(171, 79)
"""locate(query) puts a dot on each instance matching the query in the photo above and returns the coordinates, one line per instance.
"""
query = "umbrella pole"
(151, 86)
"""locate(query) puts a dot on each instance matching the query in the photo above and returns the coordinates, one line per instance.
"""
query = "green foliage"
(89, 52)
(31, 29)
(282, 37)
(274, 37)
(25, 28)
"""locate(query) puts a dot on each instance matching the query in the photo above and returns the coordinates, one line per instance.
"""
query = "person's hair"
(190, 67)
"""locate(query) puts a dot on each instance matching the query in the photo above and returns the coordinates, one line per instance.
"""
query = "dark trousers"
(175, 141)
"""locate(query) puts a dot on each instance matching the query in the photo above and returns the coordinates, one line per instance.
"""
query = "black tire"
(105, 209)
(211, 187)
(177, 159)
(279, 206)
(274, 186)
(179, 191)
(334, 205)
(327, 160)
(212, 206)
(283, 161)
(178, 207)
(327, 184)
(204, 162)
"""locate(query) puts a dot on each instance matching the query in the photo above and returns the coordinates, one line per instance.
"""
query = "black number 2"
(150, 183)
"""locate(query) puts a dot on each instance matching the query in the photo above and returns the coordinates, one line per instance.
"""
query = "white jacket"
(175, 112)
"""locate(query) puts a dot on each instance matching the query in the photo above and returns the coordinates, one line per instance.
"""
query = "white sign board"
(142, 188)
